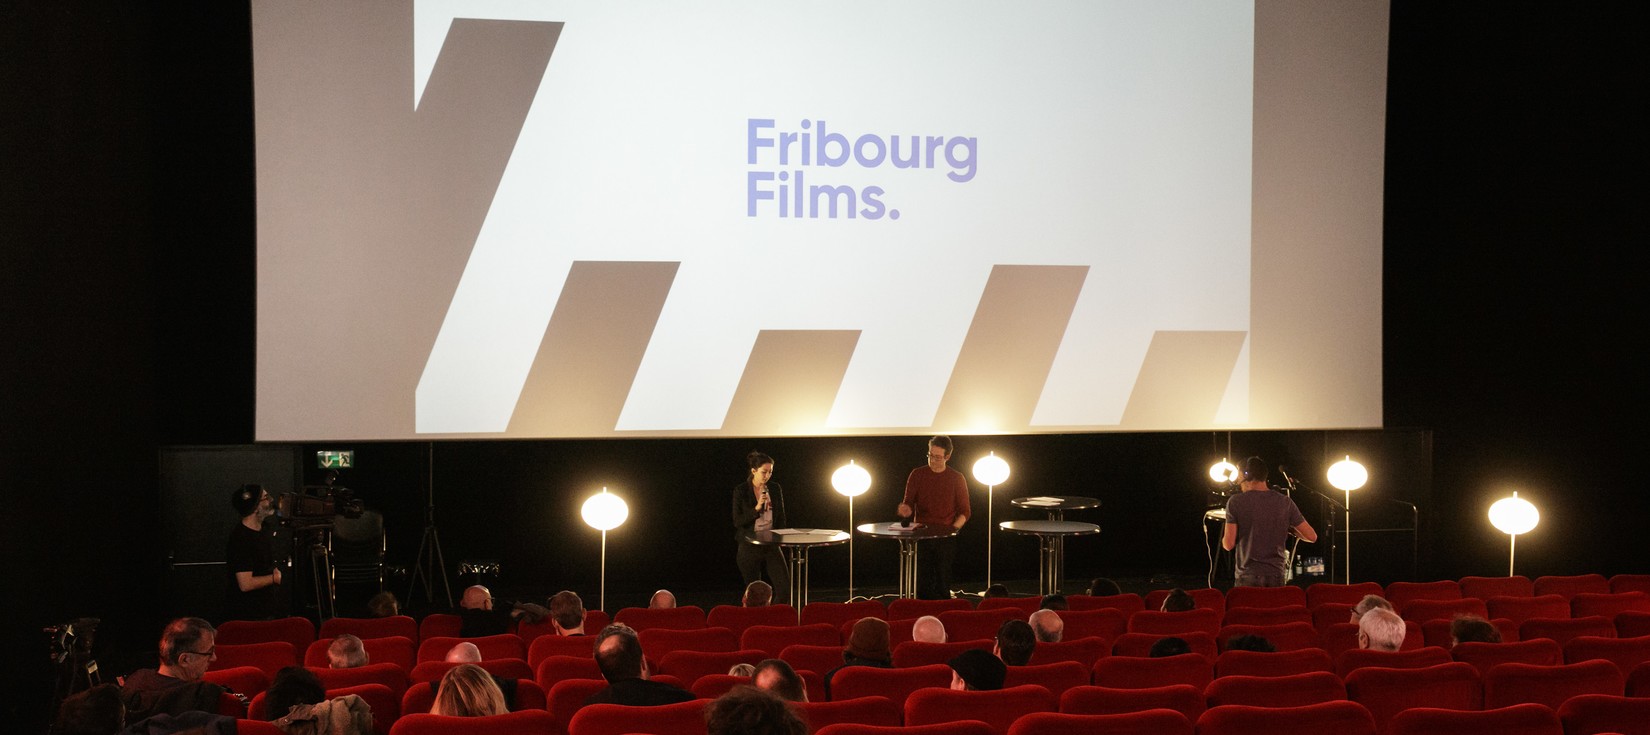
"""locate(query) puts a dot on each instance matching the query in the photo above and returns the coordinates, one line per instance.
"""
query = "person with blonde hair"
(468, 691)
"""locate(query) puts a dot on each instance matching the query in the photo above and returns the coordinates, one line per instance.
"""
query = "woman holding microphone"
(759, 505)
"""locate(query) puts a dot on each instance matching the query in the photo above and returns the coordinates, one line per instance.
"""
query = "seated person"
(996, 590)
(1370, 602)
(1381, 630)
(1473, 629)
(619, 656)
(292, 686)
(867, 646)
(1015, 642)
(467, 653)
(1053, 602)
(661, 600)
(977, 671)
(777, 676)
(347, 652)
(384, 605)
(567, 613)
(928, 629)
(187, 647)
(757, 594)
(1102, 587)
(1047, 625)
(1249, 642)
(1171, 646)
(468, 691)
(296, 702)
(1178, 601)
(480, 619)
(751, 711)
(95, 711)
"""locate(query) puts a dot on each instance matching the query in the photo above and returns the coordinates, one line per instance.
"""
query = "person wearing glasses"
(250, 558)
(187, 647)
(936, 495)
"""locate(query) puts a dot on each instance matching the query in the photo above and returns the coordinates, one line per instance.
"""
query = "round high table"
(795, 547)
(1051, 537)
(1056, 505)
(908, 538)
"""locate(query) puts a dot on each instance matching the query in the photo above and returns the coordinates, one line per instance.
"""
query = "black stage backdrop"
(126, 247)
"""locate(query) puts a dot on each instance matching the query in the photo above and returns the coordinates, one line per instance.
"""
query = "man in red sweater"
(936, 495)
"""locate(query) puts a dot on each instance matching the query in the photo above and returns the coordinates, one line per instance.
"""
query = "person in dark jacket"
(759, 505)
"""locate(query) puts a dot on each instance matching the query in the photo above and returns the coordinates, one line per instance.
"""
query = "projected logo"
(790, 193)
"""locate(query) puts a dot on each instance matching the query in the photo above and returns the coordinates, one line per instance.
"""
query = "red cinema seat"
(1025, 605)
(1510, 684)
(690, 665)
(1632, 624)
(674, 618)
(1386, 692)
(1133, 672)
(1105, 622)
(1520, 609)
(594, 621)
(818, 659)
(256, 727)
(566, 699)
(1358, 658)
(906, 608)
(1437, 632)
(365, 628)
(230, 705)
(711, 686)
(1284, 637)
(1523, 719)
(660, 642)
(1588, 604)
(774, 638)
(1324, 593)
(1127, 603)
(1402, 593)
(1282, 663)
(1591, 714)
(390, 675)
(1562, 630)
(268, 657)
(682, 718)
(1240, 597)
(999, 708)
(1149, 722)
(973, 625)
(896, 684)
(421, 697)
(511, 723)
(815, 684)
(1095, 700)
(248, 680)
(503, 668)
(1484, 588)
(1081, 650)
(838, 613)
(1625, 653)
(503, 645)
(899, 631)
(1056, 678)
(920, 653)
(737, 619)
(1572, 585)
(1630, 583)
(1140, 644)
(1297, 690)
(1341, 718)
(440, 625)
(960, 727)
(545, 646)
(1343, 637)
(297, 631)
(393, 650)
(385, 704)
(1267, 615)
(1332, 613)
(561, 668)
(1203, 620)
(874, 711)
(1423, 610)
(1483, 656)
(1206, 598)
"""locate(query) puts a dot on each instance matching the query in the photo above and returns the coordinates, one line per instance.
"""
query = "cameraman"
(252, 576)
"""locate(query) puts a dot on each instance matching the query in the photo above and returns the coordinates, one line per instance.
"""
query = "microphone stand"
(1329, 526)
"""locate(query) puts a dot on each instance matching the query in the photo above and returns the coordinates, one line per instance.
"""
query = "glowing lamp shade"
(1348, 475)
(851, 480)
(605, 511)
(991, 470)
(1223, 471)
(1514, 515)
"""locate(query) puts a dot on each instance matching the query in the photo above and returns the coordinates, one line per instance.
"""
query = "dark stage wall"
(126, 252)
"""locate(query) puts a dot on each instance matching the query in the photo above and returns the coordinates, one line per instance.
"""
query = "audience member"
(187, 647)
(1248, 642)
(867, 646)
(468, 691)
(757, 594)
(1473, 629)
(384, 605)
(1103, 587)
(567, 613)
(928, 629)
(619, 656)
(777, 676)
(481, 619)
(1015, 642)
(1047, 625)
(976, 670)
(296, 703)
(1381, 630)
(347, 652)
(1178, 601)
(464, 652)
(292, 686)
(662, 600)
(1053, 602)
(96, 711)
(996, 590)
(751, 711)
(1370, 602)
(745, 670)
(1171, 646)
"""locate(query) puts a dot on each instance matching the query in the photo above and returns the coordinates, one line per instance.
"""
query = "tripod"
(430, 561)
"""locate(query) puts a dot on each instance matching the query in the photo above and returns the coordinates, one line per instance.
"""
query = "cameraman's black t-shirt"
(249, 551)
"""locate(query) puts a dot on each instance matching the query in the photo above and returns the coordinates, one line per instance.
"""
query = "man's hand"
(904, 510)
(275, 577)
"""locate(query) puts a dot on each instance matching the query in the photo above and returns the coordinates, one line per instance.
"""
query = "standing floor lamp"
(1513, 516)
(1347, 475)
(852, 481)
(991, 471)
(604, 511)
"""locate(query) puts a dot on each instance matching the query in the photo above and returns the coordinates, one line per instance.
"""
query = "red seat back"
(690, 665)
(1632, 624)
(1140, 644)
(1520, 609)
(1524, 719)
(1484, 588)
(1341, 718)
(512, 723)
(1332, 613)
(503, 668)
(818, 659)
(1423, 610)
(1402, 593)
(1625, 653)
(774, 638)
(556, 669)
(1357, 658)
(1148, 722)
(392, 650)
(999, 708)
(1084, 651)
(896, 684)
(1437, 632)
(390, 675)
(1284, 637)
(906, 608)
(1056, 677)
(711, 686)
(1282, 663)
(1386, 692)
(899, 631)
(1323, 593)
(1585, 714)
(1630, 583)
(1132, 672)
(248, 680)
(384, 703)
(838, 613)
(1127, 603)
(546, 646)
(268, 657)
(1609, 605)
(737, 619)
(1025, 605)
(1562, 630)
(300, 632)
(921, 653)
(1099, 700)
(1296, 690)
(675, 618)
(875, 711)
(1483, 656)
(503, 645)
(440, 625)
(660, 642)
(1241, 597)
(1206, 598)
(1267, 615)
(1510, 684)
(567, 697)
(1202, 620)
(960, 727)
(682, 718)
(364, 628)
(1105, 622)
(1571, 585)
(973, 625)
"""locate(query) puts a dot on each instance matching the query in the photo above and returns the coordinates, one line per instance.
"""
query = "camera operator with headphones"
(253, 578)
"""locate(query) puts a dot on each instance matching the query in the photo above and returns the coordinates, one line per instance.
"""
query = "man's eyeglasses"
(936, 456)
(208, 653)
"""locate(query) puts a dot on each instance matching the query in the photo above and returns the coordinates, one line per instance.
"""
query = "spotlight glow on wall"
(1513, 516)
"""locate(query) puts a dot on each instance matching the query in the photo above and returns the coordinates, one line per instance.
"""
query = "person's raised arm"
(1304, 530)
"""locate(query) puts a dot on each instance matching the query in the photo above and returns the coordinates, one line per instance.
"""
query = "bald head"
(1381, 630)
(464, 653)
(346, 652)
(662, 600)
(1047, 625)
(928, 629)
(477, 598)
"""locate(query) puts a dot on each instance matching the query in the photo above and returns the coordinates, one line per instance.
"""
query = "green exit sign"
(335, 460)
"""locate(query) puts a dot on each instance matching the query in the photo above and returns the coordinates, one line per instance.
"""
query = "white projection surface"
(605, 218)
